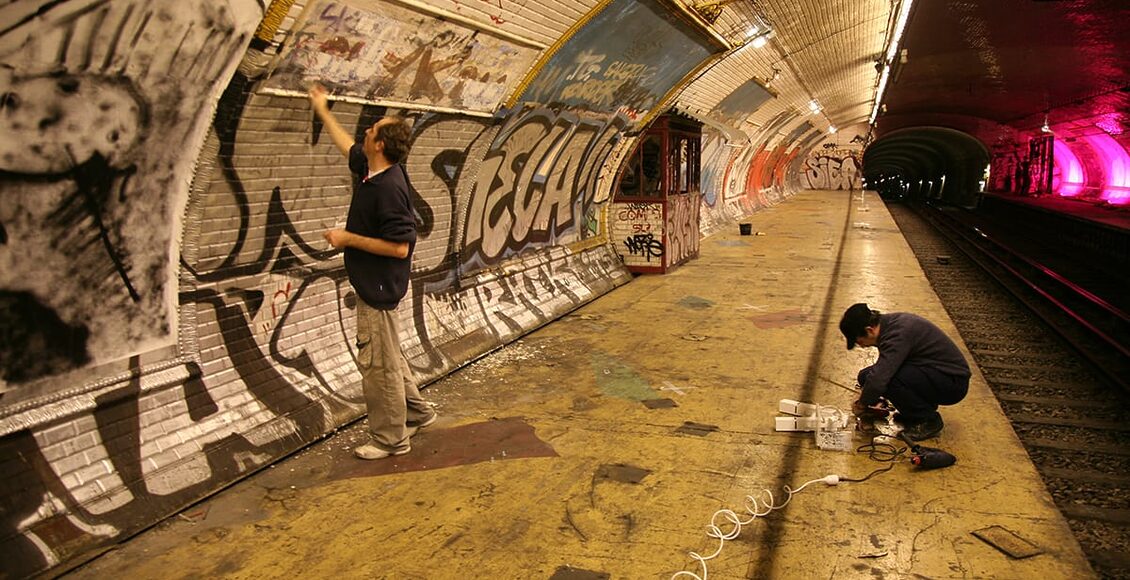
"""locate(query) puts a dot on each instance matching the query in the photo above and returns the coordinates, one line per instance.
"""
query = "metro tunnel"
(636, 224)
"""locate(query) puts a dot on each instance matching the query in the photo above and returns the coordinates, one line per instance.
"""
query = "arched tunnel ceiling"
(923, 153)
(993, 68)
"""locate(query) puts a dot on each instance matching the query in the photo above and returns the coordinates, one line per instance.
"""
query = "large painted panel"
(622, 61)
(740, 104)
(379, 50)
(105, 105)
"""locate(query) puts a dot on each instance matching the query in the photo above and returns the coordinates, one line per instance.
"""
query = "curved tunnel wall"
(174, 320)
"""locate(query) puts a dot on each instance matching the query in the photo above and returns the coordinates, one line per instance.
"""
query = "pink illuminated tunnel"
(1116, 165)
(1071, 178)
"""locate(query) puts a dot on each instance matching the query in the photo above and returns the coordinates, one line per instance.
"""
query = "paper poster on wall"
(622, 61)
(376, 50)
(100, 143)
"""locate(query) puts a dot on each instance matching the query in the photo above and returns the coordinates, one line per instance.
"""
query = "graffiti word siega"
(645, 245)
(823, 172)
(536, 184)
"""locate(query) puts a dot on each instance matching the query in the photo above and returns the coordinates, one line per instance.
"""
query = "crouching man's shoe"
(923, 428)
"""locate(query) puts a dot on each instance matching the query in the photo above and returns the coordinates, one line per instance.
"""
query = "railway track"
(1071, 414)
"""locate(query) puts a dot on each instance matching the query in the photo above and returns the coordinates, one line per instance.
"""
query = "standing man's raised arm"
(322, 109)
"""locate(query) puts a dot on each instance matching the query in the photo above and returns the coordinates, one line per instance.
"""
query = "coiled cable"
(881, 452)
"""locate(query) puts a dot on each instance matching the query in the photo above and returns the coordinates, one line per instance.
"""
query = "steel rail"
(960, 229)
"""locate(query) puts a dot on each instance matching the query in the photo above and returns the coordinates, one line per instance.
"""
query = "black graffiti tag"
(645, 245)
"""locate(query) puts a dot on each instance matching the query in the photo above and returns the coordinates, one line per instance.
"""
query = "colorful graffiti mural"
(836, 169)
(381, 50)
(623, 61)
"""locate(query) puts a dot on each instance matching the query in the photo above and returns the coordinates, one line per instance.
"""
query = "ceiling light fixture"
(888, 60)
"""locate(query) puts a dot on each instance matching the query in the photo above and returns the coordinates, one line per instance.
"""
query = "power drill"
(927, 457)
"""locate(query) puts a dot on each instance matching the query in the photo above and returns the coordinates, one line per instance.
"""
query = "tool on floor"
(927, 457)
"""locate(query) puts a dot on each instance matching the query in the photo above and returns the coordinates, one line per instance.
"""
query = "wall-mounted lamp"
(832, 129)
(1045, 128)
(814, 106)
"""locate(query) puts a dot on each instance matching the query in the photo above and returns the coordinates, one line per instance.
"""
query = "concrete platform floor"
(547, 463)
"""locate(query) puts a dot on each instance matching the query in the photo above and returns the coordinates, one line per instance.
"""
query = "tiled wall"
(176, 319)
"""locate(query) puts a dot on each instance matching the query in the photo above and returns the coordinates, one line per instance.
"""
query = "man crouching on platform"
(919, 368)
(379, 236)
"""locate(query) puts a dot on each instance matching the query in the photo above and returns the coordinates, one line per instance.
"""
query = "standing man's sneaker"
(415, 426)
(924, 428)
(370, 451)
(425, 422)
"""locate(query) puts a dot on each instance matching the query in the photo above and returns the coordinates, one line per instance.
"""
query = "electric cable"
(755, 510)
(881, 452)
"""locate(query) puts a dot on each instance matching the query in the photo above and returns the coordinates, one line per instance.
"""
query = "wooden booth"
(656, 203)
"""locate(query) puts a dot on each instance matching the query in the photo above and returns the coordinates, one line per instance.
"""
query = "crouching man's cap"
(855, 322)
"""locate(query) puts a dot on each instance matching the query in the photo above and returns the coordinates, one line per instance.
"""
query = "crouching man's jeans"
(917, 391)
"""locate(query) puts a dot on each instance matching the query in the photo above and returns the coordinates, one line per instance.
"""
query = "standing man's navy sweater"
(381, 208)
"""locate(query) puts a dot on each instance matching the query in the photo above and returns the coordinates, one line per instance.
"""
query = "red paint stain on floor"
(497, 440)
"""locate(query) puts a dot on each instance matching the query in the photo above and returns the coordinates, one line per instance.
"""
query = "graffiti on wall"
(639, 233)
(622, 61)
(275, 307)
(715, 162)
(537, 184)
(682, 227)
(386, 51)
(832, 169)
(735, 178)
(456, 324)
(100, 133)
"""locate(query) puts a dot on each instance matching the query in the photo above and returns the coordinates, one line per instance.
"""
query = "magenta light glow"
(1116, 165)
(1070, 180)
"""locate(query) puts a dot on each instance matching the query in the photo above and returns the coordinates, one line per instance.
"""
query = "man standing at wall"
(378, 240)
